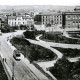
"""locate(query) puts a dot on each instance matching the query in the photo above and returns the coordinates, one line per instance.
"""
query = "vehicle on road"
(17, 55)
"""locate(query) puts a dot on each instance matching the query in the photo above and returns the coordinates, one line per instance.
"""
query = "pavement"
(23, 70)
(45, 64)
(52, 44)
(62, 45)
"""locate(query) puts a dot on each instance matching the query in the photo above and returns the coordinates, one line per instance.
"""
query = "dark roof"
(24, 17)
(71, 12)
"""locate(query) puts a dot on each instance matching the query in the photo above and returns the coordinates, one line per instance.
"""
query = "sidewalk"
(6, 68)
(38, 74)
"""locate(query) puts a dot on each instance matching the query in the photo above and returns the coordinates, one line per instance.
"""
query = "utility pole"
(13, 70)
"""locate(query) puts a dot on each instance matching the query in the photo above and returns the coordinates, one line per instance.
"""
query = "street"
(19, 69)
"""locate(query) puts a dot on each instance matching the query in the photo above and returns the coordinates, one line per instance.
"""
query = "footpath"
(6, 68)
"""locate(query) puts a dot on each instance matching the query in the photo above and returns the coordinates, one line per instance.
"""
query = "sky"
(41, 2)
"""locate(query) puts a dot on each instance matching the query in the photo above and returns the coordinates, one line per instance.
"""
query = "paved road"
(21, 71)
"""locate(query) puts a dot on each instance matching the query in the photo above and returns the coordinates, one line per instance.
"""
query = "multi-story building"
(71, 19)
(20, 20)
(49, 18)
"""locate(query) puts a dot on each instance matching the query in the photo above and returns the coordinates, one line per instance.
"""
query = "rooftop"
(50, 13)
(23, 16)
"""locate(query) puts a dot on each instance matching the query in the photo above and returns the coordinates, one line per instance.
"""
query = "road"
(21, 70)
(63, 45)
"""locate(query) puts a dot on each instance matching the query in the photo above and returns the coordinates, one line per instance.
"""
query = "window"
(73, 21)
(60, 22)
(76, 21)
(15, 23)
(19, 22)
(68, 16)
(60, 16)
(9, 22)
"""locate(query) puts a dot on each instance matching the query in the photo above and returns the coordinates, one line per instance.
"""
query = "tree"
(6, 28)
(22, 27)
(62, 69)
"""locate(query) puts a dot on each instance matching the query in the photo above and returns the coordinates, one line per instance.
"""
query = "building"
(77, 9)
(49, 19)
(18, 20)
(71, 19)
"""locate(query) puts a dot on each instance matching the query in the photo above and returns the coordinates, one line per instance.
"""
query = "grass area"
(67, 52)
(59, 38)
(31, 51)
(65, 70)
(3, 75)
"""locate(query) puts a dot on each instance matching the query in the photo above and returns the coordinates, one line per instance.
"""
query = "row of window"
(51, 16)
(20, 22)
(72, 24)
(19, 19)
(51, 19)
(73, 17)
(52, 23)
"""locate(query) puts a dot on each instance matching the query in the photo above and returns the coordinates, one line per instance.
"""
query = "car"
(17, 55)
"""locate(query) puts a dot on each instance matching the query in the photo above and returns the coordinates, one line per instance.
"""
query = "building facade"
(49, 19)
(53, 19)
(71, 19)
(20, 20)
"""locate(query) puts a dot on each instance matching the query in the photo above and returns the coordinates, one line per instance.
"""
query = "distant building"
(77, 9)
(18, 20)
(71, 19)
(49, 19)
(39, 27)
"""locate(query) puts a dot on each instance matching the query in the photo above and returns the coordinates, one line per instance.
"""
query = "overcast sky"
(41, 2)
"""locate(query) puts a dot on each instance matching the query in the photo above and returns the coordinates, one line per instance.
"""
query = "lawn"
(67, 52)
(59, 38)
(31, 51)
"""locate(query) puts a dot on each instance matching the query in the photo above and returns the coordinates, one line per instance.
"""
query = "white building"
(20, 20)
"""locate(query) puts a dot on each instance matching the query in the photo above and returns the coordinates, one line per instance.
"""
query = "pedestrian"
(5, 59)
